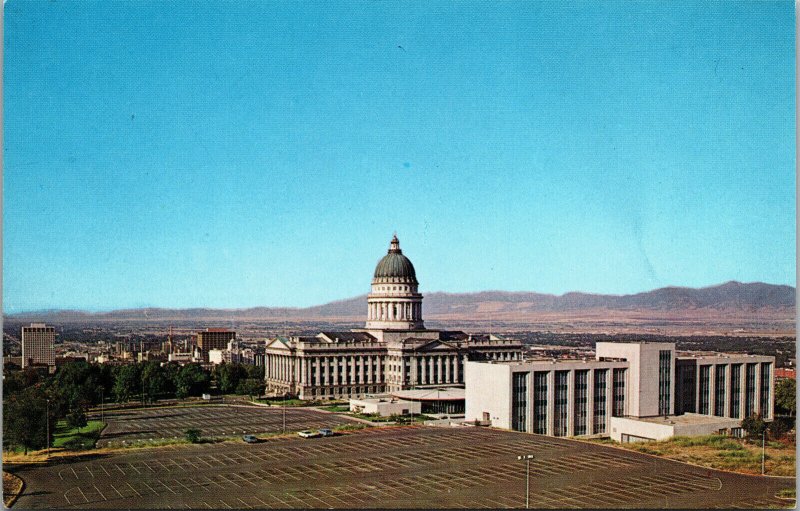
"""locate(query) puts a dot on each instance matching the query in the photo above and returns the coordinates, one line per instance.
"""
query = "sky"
(240, 153)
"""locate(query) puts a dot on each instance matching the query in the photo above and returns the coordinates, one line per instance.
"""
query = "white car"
(308, 434)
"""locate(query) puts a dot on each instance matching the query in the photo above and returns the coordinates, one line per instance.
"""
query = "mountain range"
(724, 300)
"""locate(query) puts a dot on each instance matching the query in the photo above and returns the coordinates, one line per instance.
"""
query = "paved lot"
(212, 420)
(391, 468)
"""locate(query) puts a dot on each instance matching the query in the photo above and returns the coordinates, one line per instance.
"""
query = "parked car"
(325, 432)
(250, 439)
(309, 434)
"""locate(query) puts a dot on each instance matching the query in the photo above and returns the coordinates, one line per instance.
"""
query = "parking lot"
(422, 467)
(212, 420)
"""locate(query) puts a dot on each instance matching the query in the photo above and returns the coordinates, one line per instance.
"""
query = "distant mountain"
(722, 300)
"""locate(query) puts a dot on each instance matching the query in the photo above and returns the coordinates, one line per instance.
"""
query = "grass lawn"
(722, 452)
(77, 438)
(336, 408)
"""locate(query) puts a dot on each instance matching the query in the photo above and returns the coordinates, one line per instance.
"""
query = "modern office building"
(38, 345)
(214, 339)
(394, 351)
(630, 391)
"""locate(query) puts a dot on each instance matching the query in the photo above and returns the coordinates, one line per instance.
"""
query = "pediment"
(435, 346)
(277, 344)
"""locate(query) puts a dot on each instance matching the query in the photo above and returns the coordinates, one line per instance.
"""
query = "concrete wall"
(385, 408)
(488, 389)
(649, 430)
(643, 374)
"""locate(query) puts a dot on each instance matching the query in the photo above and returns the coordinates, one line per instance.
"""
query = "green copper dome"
(395, 265)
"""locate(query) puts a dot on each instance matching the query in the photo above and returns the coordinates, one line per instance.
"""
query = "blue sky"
(235, 153)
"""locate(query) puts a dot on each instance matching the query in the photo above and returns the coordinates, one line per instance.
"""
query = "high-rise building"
(38, 345)
(214, 339)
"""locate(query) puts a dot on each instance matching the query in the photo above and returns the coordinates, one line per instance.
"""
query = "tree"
(192, 380)
(25, 421)
(154, 381)
(228, 377)
(250, 387)
(127, 383)
(754, 425)
(76, 418)
(786, 397)
(192, 435)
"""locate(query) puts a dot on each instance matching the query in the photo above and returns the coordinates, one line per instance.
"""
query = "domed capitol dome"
(395, 267)
(394, 302)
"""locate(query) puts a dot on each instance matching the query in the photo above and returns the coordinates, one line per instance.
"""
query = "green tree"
(786, 397)
(754, 425)
(128, 383)
(76, 418)
(25, 419)
(192, 435)
(250, 387)
(228, 377)
(192, 380)
(255, 372)
(154, 381)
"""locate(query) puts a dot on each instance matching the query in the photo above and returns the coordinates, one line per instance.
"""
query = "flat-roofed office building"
(214, 339)
(38, 345)
(638, 387)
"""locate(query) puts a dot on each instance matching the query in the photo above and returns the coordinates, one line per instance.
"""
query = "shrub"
(192, 435)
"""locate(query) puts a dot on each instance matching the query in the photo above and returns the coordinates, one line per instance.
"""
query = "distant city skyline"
(236, 154)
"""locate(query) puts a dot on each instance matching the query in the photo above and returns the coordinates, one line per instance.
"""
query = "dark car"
(250, 439)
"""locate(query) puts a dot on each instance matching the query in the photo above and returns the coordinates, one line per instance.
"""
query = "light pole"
(102, 407)
(47, 420)
(527, 458)
(762, 450)
(284, 413)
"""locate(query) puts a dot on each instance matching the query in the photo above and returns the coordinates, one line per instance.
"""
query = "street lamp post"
(527, 458)
(102, 405)
(284, 413)
(762, 451)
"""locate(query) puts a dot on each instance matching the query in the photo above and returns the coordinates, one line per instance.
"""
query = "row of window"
(519, 400)
(734, 403)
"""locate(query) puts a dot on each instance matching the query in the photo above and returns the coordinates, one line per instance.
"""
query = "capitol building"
(393, 352)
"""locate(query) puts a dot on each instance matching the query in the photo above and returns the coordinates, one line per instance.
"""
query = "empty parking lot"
(391, 467)
(212, 420)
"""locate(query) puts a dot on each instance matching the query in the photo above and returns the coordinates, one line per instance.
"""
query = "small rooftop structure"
(443, 394)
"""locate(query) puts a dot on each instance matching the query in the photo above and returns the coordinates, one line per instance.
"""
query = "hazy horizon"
(335, 300)
(234, 154)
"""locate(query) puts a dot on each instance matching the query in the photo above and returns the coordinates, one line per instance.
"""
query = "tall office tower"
(38, 345)
(214, 339)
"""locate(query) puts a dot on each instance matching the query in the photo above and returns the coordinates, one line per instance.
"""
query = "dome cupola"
(395, 267)
(394, 302)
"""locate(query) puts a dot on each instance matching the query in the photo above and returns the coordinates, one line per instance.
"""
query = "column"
(351, 360)
(318, 378)
(551, 402)
(590, 402)
(456, 368)
(370, 375)
(379, 375)
(712, 387)
(571, 403)
(728, 390)
(757, 407)
(424, 367)
(742, 390)
(447, 361)
(439, 369)
(336, 371)
(361, 369)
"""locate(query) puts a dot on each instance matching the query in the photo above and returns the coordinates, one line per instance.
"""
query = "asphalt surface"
(403, 467)
(134, 425)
